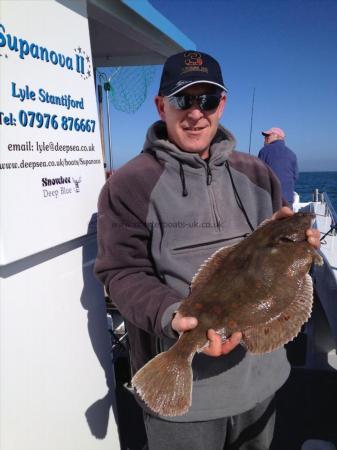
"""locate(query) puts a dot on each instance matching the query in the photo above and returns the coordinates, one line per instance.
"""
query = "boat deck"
(329, 243)
(324, 222)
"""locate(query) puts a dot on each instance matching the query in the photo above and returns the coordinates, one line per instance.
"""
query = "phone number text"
(50, 121)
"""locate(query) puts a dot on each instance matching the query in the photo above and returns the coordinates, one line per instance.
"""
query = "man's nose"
(195, 112)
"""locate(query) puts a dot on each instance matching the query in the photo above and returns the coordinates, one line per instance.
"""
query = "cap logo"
(193, 61)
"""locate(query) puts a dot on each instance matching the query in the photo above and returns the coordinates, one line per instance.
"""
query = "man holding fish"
(186, 202)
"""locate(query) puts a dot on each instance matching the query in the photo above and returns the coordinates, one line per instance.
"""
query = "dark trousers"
(251, 430)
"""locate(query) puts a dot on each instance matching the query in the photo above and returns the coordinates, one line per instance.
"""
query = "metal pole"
(101, 121)
(251, 121)
(109, 127)
(108, 88)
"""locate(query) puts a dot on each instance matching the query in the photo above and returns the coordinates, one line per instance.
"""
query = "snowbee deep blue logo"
(79, 62)
(60, 186)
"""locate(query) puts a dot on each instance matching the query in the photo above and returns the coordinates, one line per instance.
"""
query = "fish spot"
(217, 309)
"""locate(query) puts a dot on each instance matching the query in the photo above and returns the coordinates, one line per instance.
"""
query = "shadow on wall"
(127, 413)
(93, 301)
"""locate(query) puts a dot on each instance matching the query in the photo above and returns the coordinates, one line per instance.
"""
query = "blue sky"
(285, 49)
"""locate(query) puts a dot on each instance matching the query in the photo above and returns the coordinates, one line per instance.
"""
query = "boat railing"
(330, 210)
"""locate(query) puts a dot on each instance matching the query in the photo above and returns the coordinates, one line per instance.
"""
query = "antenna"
(251, 120)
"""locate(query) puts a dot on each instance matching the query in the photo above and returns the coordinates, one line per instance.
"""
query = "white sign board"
(51, 167)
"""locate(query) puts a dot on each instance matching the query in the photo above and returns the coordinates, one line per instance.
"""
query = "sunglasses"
(206, 102)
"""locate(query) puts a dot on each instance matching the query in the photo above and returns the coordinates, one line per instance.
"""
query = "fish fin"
(165, 383)
(283, 328)
(210, 265)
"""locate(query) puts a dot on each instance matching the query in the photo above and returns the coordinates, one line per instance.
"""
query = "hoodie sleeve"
(124, 262)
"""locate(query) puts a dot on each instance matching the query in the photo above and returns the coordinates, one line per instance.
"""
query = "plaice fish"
(260, 287)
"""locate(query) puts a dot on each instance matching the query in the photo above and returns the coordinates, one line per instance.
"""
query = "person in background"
(281, 160)
(160, 216)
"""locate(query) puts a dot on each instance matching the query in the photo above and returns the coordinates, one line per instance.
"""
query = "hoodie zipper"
(215, 213)
(209, 175)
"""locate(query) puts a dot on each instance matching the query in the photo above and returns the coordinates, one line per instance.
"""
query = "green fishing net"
(127, 86)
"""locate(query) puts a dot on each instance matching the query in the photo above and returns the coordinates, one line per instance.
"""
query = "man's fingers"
(217, 347)
(214, 344)
(282, 213)
(180, 323)
(187, 323)
(313, 237)
(231, 342)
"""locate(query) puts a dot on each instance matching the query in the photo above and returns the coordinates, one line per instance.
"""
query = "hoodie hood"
(157, 142)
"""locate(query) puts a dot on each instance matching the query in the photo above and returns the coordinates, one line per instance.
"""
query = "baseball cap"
(187, 68)
(275, 130)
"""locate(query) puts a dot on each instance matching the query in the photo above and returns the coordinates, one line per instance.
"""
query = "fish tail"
(165, 382)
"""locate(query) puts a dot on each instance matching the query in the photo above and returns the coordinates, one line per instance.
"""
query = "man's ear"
(159, 101)
(222, 105)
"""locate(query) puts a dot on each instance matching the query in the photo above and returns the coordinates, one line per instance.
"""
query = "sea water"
(323, 181)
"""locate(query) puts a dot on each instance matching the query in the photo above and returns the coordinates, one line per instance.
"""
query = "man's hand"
(282, 213)
(313, 235)
(216, 346)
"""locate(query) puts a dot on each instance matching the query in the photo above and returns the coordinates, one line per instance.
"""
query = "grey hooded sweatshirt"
(159, 217)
